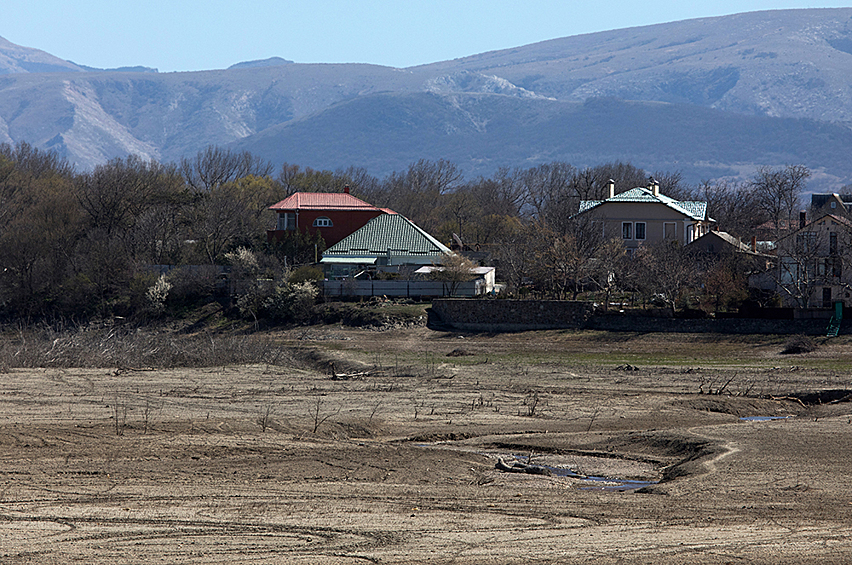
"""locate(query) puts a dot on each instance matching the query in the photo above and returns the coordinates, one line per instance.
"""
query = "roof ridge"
(322, 200)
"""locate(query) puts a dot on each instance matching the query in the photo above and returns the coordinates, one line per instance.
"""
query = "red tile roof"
(322, 201)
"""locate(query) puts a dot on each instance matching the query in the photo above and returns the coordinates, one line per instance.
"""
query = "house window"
(322, 222)
(287, 221)
(669, 231)
(832, 243)
(806, 242)
(834, 267)
(626, 230)
(640, 230)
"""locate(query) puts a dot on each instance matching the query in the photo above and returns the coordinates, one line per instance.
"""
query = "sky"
(191, 35)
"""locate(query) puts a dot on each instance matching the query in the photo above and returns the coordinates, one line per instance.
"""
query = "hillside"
(482, 132)
(785, 63)
(719, 97)
(15, 59)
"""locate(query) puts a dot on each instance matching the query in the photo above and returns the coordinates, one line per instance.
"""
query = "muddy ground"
(355, 446)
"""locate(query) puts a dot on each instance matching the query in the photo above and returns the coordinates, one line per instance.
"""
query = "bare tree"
(214, 167)
(777, 193)
(114, 194)
(518, 250)
(549, 194)
(667, 272)
(418, 192)
(581, 258)
(733, 205)
(454, 270)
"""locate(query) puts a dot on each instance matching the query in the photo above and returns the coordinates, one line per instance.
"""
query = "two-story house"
(334, 215)
(813, 265)
(644, 216)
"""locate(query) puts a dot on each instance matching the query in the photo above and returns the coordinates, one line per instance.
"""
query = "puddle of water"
(594, 483)
(615, 485)
(762, 418)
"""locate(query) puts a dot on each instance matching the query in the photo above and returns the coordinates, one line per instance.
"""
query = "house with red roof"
(333, 215)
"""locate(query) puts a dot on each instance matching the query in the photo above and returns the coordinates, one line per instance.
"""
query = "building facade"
(644, 216)
(333, 215)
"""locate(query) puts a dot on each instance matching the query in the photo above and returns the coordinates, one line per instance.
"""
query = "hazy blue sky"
(184, 35)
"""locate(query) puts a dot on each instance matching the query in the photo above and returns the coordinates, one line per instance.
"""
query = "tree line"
(80, 244)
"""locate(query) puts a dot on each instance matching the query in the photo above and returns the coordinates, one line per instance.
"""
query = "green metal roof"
(388, 233)
(694, 210)
(350, 260)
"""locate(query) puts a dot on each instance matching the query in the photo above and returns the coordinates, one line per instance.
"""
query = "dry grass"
(133, 348)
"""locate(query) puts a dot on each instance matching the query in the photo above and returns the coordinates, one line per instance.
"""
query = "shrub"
(291, 302)
(305, 274)
(157, 294)
(799, 344)
(192, 284)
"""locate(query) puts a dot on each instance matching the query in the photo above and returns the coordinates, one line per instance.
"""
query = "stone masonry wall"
(511, 315)
(523, 315)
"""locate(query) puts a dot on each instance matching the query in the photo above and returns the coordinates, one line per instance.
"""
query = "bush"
(192, 284)
(799, 344)
(305, 274)
(157, 293)
(291, 302)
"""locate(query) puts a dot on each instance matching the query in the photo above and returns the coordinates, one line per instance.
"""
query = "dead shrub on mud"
(799, 344)
(264, 418)
(318, 415)
(533, 401)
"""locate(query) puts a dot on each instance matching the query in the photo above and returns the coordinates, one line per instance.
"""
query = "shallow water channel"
(589, 472)
(592, 482)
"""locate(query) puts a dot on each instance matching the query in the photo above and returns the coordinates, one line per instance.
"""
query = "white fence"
(411, 289)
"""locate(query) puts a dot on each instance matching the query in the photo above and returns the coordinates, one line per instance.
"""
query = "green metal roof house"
(386, 242)
(644, 215)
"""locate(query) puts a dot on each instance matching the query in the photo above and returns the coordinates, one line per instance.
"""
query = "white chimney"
(611, 187)
(654, 186)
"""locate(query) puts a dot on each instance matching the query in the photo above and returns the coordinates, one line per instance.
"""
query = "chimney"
(654, 186)
(803, 219)
(346, 189)
(611, 187)
(754, 244)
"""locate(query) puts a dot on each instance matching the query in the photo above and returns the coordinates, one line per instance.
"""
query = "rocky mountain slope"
(709, 97)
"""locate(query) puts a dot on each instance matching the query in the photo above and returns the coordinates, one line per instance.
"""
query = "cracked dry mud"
(222, 465)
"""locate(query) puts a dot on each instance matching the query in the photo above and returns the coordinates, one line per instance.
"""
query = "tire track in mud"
(724, 449)
(81, 529)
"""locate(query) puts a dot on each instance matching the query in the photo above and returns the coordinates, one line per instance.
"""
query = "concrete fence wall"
(407, 288)
(521, 315)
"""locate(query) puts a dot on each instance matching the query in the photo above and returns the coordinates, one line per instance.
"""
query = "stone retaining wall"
(511, 315)
(524, 315)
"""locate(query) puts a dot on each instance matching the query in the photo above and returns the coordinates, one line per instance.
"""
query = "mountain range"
(710, 98)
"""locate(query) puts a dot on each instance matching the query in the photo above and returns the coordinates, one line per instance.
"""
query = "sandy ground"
(394, 461)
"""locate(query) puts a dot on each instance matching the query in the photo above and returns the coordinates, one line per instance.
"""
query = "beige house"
(644, 216)
(812, 269)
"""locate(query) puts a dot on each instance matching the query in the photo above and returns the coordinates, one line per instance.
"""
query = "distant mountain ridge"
(17, 59)
(709, 97)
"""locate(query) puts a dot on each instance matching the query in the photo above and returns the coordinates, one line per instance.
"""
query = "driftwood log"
(335, 376)
(518, 467)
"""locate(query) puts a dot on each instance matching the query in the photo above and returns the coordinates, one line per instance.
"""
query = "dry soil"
(380, 447)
